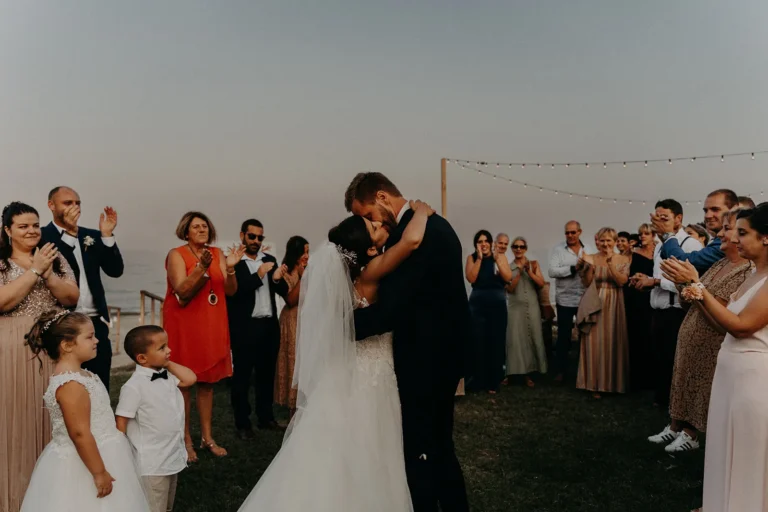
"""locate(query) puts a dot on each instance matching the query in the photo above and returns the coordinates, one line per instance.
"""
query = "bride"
(343, 451)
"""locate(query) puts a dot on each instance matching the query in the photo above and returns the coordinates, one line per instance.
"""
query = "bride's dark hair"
(352, 236)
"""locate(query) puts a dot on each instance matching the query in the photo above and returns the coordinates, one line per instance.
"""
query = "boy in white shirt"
(151, 413)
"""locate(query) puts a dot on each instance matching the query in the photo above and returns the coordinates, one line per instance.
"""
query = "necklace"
(213, 299)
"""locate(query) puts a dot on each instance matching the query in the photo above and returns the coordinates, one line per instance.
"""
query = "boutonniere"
(87, 242)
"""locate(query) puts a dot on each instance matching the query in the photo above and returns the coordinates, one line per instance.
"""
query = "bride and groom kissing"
(383, 319)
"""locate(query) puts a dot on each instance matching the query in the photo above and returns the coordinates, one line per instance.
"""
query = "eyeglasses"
(520, 247)
(251, 236)
(571, 232)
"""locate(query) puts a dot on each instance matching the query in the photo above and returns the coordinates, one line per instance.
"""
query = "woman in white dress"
(343, 451)
(736, 460)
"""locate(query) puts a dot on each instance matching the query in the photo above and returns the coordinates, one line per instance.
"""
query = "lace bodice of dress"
(374, 354)
(102, 418)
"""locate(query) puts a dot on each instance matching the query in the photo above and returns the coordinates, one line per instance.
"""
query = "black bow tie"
(160, 375)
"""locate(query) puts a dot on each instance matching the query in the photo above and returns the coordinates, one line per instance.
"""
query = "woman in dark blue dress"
(488, 272)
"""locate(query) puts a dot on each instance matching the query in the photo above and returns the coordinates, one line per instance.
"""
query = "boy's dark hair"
(623, 234)
(138, 340)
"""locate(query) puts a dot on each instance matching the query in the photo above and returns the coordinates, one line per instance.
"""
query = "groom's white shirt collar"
(405, 208)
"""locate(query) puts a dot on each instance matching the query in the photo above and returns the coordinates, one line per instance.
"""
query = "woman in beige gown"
(33, 280)
(294, 263)
(604, 353)
(736, 459)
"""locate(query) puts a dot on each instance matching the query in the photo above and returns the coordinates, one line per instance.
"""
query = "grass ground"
(551, 448)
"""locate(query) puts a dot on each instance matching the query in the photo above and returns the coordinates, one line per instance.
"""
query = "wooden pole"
(444, 186)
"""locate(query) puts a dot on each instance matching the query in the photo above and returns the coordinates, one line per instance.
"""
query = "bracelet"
(37, 273)
(693, 291)
(231, 273)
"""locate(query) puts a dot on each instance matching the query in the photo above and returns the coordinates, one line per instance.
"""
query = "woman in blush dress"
(604, 356)
(294, 263)
(34, 278)
(736, 458)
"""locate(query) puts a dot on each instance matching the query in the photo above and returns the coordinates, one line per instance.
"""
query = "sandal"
(529, 382)
(212, 447)
(191, 453)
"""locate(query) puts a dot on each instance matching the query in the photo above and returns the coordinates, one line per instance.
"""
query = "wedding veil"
(325, 336)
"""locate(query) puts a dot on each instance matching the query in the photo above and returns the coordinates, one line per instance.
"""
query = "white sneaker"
(665, 436)
(683, 443)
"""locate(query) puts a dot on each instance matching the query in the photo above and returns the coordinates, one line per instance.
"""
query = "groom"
(424, 303)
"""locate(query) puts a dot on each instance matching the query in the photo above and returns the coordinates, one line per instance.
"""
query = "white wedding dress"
(61, 482)
(343, 451)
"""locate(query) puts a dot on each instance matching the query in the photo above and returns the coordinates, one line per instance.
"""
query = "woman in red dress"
(195, 317)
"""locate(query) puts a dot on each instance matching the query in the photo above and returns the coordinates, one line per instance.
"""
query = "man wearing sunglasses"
(255, 330)
(563, 262)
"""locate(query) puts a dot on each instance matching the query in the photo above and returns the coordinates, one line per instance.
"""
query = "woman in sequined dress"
(34, 279)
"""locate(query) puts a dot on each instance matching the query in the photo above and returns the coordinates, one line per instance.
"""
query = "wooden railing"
(118, 311)
(155, 300)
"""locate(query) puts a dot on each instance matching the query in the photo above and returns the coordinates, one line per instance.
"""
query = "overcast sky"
(267, 109)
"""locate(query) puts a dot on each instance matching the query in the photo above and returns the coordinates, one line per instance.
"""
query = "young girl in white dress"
(88, 465)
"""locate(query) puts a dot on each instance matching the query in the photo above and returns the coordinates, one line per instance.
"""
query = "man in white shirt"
(88, 252)
(563, 260)
(668, 315)
(255, 331)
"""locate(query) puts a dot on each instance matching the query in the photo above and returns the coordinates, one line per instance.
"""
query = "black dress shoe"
(245, 434)
(272, 425)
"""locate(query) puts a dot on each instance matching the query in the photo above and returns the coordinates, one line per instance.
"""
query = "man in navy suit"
(88, 251)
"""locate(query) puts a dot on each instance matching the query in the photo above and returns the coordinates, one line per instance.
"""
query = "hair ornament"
(54, 320)
(349, 257)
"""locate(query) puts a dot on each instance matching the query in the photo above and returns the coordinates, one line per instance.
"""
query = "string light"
(557, 192)
(605, 164)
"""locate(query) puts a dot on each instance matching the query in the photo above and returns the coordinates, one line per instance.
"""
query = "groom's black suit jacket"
(424, 302)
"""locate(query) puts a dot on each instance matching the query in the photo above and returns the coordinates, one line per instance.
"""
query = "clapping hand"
(108, 222)
(280, 272)
(679, 272)
(234, 255)
(43, 258)
(265, 268)
(206, 257)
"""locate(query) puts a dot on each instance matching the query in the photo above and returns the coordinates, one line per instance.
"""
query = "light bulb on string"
(693, 159)
(753, 156)
(553, 166)
(646, 163)
(541, 189)
(625, 164)
(523, 166)
(605, 165)
(670, 161)
(538, 165)
(722, 158)
(567, 165)
(630, 202)
(587, 165)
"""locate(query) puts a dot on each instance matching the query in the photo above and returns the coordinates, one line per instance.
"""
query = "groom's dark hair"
(364, 187)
